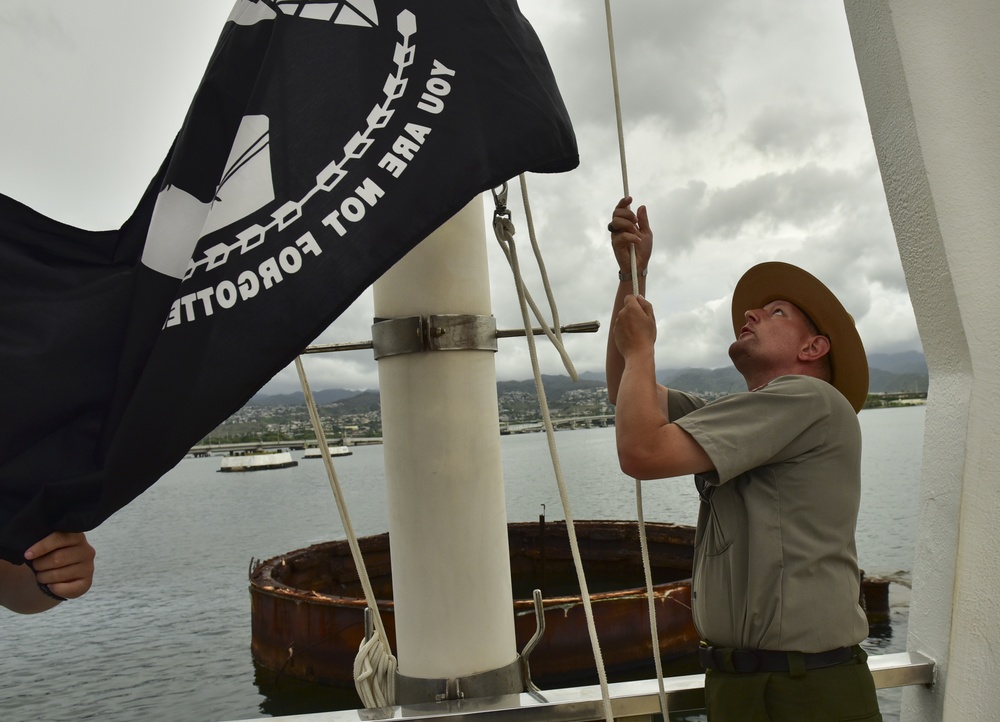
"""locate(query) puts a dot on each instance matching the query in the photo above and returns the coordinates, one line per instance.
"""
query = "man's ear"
(817, 348)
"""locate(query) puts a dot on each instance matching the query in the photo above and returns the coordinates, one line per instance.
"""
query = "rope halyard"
(618, 102)
(375, 665)
(504, 230)
(556, 326)
(635, 292)
(655, 637)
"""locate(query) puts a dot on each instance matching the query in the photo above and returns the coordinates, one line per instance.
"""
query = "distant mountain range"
(889, 373)
(326, 396)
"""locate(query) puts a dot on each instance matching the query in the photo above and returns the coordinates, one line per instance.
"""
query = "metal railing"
(583, 704)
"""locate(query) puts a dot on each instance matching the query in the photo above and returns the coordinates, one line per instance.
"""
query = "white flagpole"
(440, 427)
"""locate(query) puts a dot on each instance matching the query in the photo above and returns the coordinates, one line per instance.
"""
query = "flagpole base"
(493, 683)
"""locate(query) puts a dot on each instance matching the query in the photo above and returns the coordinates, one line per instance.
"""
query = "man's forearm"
(614, 363)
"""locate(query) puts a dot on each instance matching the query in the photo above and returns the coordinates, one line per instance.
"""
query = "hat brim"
(773, 281)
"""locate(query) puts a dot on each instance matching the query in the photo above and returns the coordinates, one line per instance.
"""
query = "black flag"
(325, 141)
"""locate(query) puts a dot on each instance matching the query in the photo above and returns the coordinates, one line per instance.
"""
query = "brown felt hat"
(773, 281)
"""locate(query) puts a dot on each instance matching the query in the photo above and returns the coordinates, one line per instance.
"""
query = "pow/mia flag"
(325, 141)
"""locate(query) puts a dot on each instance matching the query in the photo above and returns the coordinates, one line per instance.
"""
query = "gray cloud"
(798, 198)
(676, 85)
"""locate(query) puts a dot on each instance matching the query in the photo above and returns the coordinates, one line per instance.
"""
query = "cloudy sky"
(745, 134)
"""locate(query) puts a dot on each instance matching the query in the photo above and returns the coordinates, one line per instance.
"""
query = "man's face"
(772, 335)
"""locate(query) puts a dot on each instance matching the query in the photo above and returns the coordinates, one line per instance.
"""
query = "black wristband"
(44, 588)
(622, 276)
(48, 592)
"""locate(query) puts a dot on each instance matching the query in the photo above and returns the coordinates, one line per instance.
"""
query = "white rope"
(654, 632)
(375, 665)
(554, 332)
(618, 102)
(556, 326)
(375, 674)
(635, 292)
(504, 231)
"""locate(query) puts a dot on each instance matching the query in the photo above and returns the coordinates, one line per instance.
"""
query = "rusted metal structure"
(307, 606)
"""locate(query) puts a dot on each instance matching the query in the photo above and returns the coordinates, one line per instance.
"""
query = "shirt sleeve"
(680, 403)
(784, 420)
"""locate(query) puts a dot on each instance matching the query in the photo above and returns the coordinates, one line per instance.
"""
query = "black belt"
(724, 659)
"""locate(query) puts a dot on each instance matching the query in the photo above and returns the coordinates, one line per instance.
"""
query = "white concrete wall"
(930, 71)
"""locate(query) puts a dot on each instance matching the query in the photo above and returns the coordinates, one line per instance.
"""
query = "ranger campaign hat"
(773, 281)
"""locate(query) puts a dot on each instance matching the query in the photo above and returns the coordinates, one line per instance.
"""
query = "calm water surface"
(165, 632)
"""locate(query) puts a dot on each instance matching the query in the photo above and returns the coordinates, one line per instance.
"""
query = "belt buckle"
(715, 658)
(706, 656)
(724, 659)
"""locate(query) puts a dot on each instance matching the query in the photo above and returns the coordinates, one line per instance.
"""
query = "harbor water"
(164, 634)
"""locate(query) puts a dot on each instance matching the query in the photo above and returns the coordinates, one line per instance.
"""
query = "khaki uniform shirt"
(775, 558)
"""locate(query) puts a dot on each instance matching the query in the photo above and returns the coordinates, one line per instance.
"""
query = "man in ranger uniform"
(778, 468)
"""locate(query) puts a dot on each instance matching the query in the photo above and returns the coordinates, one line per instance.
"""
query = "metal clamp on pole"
(411, 328)
(492, 683)
(397, 336)
(444, 332)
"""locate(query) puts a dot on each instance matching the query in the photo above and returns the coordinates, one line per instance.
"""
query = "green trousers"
(844, 693)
